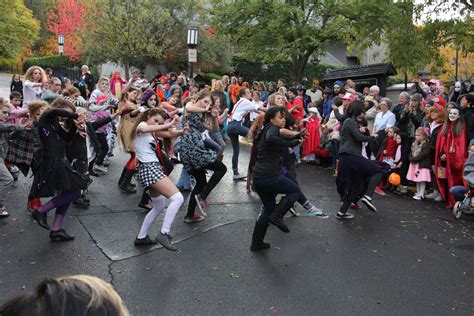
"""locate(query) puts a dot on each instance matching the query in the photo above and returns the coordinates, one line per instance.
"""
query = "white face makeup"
(453, 115)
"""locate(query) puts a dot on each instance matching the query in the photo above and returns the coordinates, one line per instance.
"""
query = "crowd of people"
(66, 134)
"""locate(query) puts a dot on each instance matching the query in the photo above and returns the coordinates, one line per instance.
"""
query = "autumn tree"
(68, 18)
(18, 30)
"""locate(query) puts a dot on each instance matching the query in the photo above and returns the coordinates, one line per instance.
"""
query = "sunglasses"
(6, 112)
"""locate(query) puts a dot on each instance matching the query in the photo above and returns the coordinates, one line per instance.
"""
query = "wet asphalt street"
(409, 258)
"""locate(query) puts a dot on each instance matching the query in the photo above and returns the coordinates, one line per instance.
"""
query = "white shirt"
(316, 96)
(145, 146)
(253, 114)
(243, 107)
(30, 92)
(383, 121)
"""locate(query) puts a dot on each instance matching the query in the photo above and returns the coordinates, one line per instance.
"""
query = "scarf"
(416, 147)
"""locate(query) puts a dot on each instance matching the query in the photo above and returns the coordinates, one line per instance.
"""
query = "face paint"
(453, 115)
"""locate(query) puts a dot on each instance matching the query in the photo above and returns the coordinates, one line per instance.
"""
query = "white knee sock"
(158, 206)
(421, 188)
(176, 200)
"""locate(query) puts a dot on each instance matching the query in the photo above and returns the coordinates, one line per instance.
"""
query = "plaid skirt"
(149, 173)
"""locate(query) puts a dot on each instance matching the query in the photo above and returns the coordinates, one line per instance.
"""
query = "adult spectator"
(433, 88)
(327, 102)
(263, 91)
(86, 83)
(281, 83)
(375, 92)
(315, 94)
(370, 111)
(403, 101)
(385, 118)
(466, 102)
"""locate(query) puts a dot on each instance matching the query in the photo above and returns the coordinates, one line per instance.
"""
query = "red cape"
(454, 161)
(311, 144)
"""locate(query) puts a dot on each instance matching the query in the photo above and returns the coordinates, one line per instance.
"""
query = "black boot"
(124, 181)
(60, 235)
(41, 219)
(257, 238)
(276, 218)
(145, 201)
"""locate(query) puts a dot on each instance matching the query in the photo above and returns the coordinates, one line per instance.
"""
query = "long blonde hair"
(31, 70)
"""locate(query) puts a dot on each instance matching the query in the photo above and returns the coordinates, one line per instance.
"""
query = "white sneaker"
(417, 197)
(100, 169)
(239, 176)
(438, 198)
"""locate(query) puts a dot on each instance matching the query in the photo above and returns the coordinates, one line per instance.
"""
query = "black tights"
(202, 187)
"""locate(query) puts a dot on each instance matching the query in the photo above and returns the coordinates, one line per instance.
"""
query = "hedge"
(50, 62)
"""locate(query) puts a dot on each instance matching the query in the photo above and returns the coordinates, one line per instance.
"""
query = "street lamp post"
(192, 51)
(61, 44)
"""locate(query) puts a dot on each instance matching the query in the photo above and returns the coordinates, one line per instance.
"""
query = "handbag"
(165, 162)
(440, 172)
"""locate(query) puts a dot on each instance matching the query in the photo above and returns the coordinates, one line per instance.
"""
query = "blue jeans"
(458, 192)
(234, 130)
(269, 187)
(184, 181)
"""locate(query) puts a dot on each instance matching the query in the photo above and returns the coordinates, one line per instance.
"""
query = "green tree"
(135, 29)
(271, 30)
(18, 30)
(274, 30)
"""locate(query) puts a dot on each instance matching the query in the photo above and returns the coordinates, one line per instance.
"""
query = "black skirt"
(56, 176)
(354, 173)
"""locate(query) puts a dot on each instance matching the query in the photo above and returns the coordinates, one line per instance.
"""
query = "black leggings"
(202, 187)
(104, 148)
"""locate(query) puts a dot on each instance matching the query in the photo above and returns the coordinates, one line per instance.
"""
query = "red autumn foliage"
(68, 19)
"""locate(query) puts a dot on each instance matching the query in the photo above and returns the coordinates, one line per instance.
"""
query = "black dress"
(55, 174)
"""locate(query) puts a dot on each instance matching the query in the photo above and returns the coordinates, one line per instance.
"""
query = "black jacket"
(468, 115)
(77, 147)
(17, 86)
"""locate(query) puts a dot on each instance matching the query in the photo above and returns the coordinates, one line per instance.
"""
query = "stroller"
(466, 206)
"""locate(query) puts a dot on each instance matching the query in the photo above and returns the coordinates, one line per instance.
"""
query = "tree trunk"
(299, 65)
(406, 81)
(126, 65)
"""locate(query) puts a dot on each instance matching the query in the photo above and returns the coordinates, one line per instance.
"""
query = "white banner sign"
(192, 55)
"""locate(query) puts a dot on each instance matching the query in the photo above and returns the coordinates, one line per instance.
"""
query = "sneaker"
(147, 241)
(368, 202)
(100, 169)
(293, 212)
(403, 189)
(438, 198)
(106, 162)
(340, 215)
(201, 204)
(196, 218)
(379, 191)
(316, 212)
(355, 206)
(417, 197)
(239, 176)
(432, 195)
(165, 241)
(3, 213)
